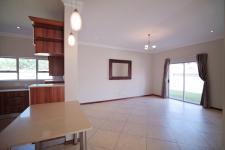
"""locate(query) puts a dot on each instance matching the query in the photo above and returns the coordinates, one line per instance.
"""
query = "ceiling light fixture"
(75, 19)
(75, 23)
(71, 39)
(18, 27)
(211, 31)
(148, 46)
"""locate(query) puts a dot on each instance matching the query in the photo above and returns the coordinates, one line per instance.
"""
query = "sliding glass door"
(185, 83)
(193, 83)
(176, 85)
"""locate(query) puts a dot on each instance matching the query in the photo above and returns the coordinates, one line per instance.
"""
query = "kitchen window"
(24, 69)
(27, 69)
(8, 69)
(43, 69)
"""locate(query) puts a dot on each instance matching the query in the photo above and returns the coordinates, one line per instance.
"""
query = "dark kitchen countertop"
(13, 90)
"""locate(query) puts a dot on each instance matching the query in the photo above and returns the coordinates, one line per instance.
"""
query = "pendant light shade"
(71, 39)
(75, 20)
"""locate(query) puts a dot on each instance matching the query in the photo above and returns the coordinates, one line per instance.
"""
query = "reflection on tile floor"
(151, 123)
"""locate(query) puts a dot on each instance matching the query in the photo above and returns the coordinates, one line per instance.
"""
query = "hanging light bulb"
(146, 47)
(71, 39)
(75, 20)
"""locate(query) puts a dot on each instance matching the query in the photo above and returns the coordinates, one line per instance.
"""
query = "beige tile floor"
(151, 123)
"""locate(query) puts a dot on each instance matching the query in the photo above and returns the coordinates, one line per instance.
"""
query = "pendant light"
(71, 39)
(75, 20)
(147, 46)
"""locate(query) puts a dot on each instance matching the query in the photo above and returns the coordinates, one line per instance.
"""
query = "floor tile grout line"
(115, 146)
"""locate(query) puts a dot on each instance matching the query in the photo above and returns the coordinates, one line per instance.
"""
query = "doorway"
(185, 83)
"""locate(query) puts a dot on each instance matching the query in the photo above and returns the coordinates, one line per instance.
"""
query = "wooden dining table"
(46, 121)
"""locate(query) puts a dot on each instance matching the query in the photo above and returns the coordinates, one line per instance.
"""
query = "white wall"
(70, 60)
(94, 83)
(215, 67)
(18, 47)
(15, 46)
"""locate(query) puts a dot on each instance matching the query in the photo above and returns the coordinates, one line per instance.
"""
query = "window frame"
(38, 68)
(17, 69)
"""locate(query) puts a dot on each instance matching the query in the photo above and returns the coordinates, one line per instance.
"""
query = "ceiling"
(124, 24)
(15, 13)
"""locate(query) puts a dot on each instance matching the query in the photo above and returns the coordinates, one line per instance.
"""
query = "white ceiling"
(15, 13)
(126, 23)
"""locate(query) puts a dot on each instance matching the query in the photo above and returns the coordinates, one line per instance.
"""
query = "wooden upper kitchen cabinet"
(49, 41)
(56, 65)
(48, 36)
(46, 93)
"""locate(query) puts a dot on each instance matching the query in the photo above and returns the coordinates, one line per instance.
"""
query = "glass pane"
(8, 76)
(44, 76)
(43, 65)
(193, 83)
(7, 64)
(176, 81)
(27, 68)
(120, 69)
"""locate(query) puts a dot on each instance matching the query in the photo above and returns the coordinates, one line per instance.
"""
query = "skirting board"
(110, 100)
(156, 95)
(219, 109)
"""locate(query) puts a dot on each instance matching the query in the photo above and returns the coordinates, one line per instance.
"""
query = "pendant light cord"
(76, 4)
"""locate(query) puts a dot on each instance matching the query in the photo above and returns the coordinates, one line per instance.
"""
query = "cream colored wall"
(18, 47)
(94, 83)
(70, 60)
(215, 67)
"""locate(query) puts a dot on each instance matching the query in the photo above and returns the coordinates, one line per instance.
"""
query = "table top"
(44, 121)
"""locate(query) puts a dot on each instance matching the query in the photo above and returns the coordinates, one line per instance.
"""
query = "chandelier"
(148, 46)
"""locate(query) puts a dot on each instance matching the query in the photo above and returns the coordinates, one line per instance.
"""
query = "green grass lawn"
(188, 96)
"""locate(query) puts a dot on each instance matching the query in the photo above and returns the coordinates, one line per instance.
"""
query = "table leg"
(83, 140)
(75, 139)
(37, 146)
